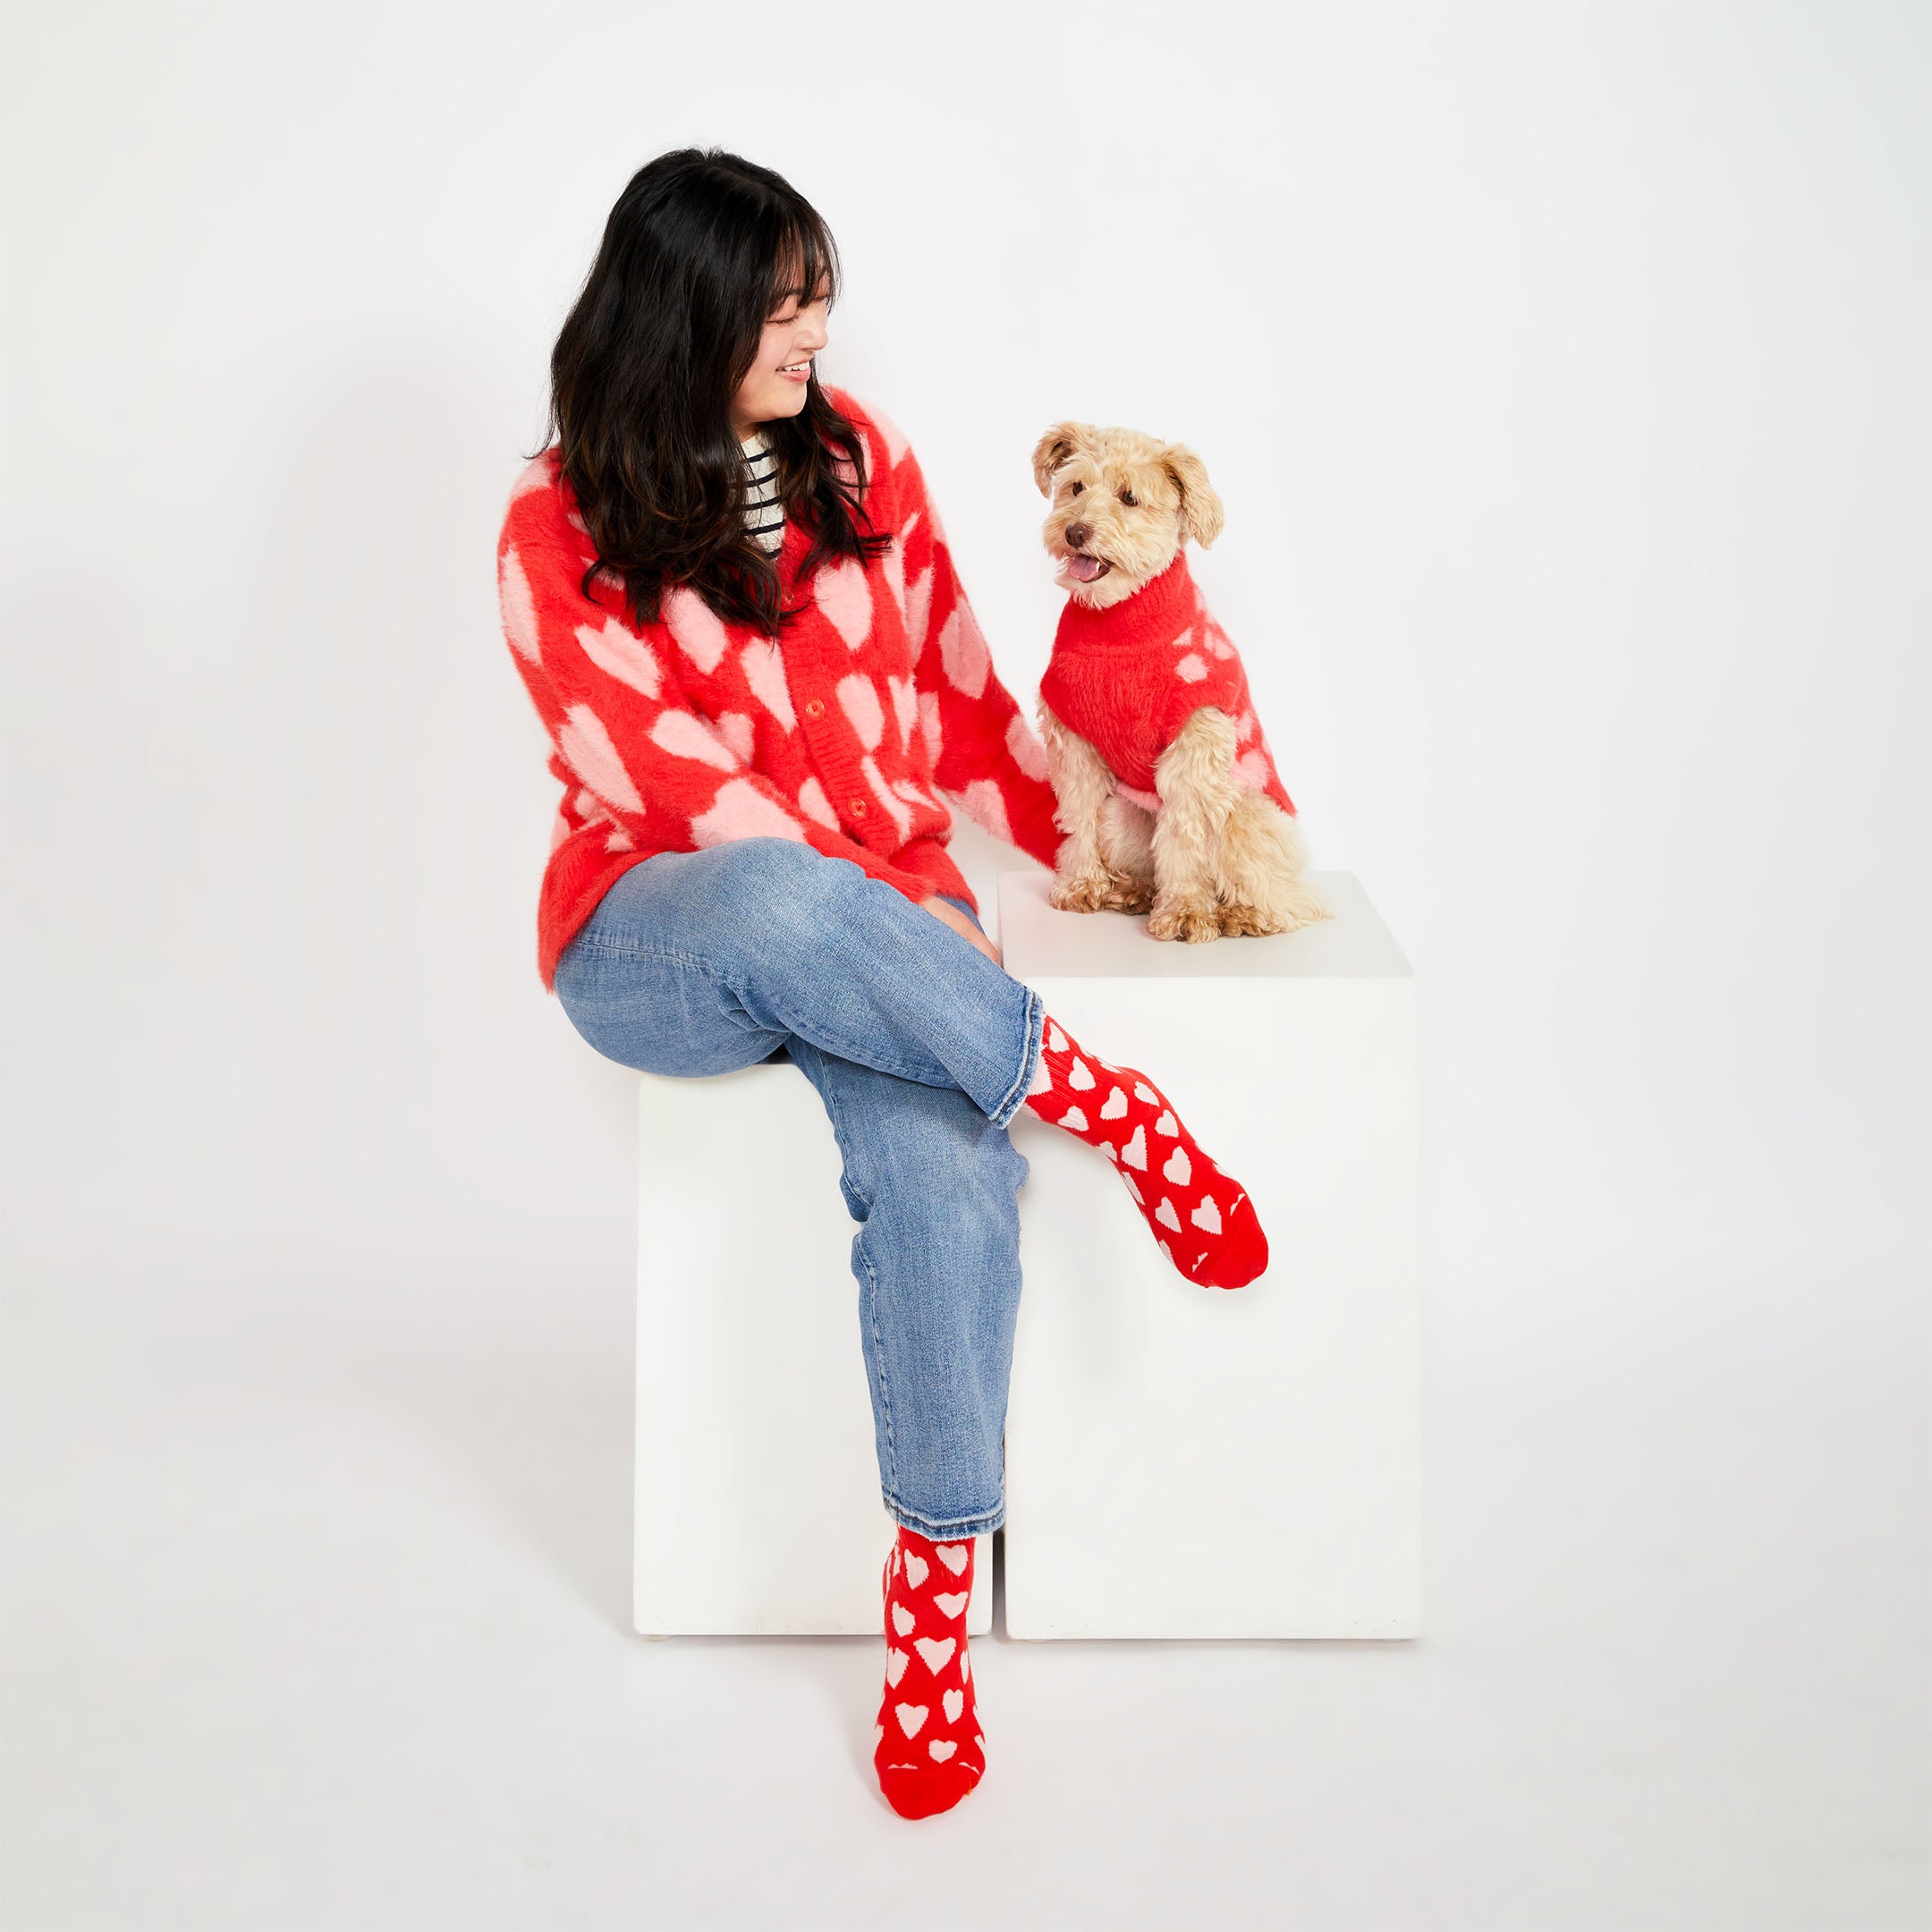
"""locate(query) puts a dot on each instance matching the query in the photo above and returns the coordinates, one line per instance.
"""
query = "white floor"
(316, 1617)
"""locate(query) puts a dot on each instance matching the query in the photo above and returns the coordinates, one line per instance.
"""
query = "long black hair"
(701, 248)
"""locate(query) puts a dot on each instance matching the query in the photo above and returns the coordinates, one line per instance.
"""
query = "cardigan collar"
(1155, 614)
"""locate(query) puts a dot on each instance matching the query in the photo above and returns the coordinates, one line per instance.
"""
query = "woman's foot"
(927, 1749)
(1202, 1218)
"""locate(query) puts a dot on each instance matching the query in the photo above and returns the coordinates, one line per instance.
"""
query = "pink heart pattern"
(927, 1748)
(1178, 1187)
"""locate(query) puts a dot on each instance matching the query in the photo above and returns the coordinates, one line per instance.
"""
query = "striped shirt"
(764, 514)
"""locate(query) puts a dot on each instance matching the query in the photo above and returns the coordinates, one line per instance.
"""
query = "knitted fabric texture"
(764, 513)
(1198, 1212)
(857, 733)
(926, 1745)
(1128, 677)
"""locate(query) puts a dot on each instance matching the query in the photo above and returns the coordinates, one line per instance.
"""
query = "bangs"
(808, 266)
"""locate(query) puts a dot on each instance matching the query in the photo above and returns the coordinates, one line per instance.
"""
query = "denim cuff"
(955, 1529)
(1033, 1021)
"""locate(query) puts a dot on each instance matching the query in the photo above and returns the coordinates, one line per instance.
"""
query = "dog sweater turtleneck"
(1128, 677)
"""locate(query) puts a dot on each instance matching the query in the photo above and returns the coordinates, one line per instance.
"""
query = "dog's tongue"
(1085, 569)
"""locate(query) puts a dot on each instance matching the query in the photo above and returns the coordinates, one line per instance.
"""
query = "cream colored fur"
(1218, 859)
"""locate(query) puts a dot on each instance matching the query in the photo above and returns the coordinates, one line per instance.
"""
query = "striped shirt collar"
(764, 514)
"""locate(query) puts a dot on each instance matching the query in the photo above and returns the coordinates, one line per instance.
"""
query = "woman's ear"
(1201, 515)
(1051, 450)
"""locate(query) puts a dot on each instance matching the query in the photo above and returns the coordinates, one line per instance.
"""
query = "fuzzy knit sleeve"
(608, 695)
(986, 759)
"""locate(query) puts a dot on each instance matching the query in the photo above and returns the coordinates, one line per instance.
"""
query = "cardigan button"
(815, 708)
(857, 807)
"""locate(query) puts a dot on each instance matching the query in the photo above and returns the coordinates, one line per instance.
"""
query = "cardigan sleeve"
(610, 700)
(986, 757)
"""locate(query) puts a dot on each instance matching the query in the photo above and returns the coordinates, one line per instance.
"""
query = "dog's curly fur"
(1218, 859)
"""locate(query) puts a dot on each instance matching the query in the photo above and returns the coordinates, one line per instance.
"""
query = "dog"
(1164, 785)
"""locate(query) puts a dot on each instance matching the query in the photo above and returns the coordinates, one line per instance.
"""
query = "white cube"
(1189, 1462)
(758, 1511)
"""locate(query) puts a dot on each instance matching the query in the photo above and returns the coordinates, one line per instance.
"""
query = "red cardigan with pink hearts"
(1128, 677)
(879, 705)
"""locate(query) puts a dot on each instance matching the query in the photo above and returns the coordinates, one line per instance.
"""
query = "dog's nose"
(1077, 535)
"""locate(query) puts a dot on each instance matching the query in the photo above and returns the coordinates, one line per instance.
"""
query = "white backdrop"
(1565, 372)
(1564, 376)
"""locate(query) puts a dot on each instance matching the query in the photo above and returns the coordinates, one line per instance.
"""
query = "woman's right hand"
(945, 910)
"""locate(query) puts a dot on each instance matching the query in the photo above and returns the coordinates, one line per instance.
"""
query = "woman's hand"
(945, 910)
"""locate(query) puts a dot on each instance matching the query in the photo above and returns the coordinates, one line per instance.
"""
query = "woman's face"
(775, 384)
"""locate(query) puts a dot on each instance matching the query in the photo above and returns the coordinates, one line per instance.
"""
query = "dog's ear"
(1201, 515)
(1051, 450)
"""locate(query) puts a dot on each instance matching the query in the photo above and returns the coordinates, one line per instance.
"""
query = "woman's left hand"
(945, 910)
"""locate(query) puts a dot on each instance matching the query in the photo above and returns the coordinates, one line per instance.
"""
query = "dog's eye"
(1128, 498)
(1078, 487)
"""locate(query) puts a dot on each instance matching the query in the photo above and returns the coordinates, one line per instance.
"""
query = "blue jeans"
(921, 1049)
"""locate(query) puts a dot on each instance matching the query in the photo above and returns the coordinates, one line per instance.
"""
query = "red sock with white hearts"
(927, 1749)
(1202, 1217)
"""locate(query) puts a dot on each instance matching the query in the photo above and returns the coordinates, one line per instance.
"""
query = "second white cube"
(1185, 1461)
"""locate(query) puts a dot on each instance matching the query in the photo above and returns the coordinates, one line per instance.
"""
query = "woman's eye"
(1128, 498)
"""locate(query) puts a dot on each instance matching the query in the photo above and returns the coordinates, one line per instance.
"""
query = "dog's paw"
(1301, 908)
(1190, 923)
(1243, 923)
(1129, 894)
(1088, 892)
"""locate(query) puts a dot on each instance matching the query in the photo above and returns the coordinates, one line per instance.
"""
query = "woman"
(734, 609)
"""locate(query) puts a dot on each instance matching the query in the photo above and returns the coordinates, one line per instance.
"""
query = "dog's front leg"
(1081, 782)
(1194, 776)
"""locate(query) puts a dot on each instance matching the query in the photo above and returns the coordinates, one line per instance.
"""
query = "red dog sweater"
(1128, 677)
(878, 706)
